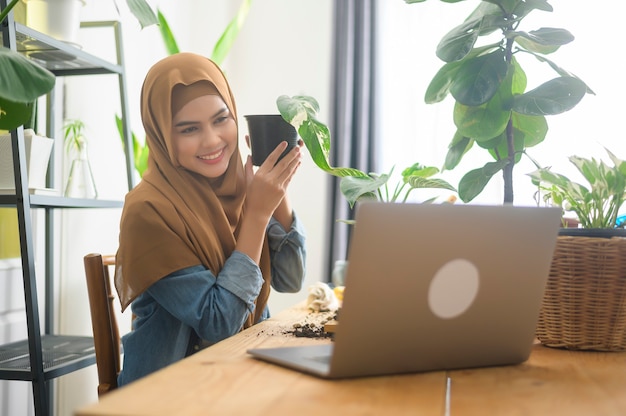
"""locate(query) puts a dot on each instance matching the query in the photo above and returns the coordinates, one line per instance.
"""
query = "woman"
(202, 237)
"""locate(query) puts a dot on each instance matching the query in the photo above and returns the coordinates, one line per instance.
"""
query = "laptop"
(435, 287)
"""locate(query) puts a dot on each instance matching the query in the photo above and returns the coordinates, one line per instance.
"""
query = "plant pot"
(266, 131)
(59, 19)
(584, 305)
(38, 149)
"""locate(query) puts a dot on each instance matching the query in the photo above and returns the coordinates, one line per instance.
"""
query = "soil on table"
(313, 325)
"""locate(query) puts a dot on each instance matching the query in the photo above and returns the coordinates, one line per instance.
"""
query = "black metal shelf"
(51, 201)
(60, 58)
(44, 355)
(62, 355)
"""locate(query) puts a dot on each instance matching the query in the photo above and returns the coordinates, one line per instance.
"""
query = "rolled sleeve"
(288, 255)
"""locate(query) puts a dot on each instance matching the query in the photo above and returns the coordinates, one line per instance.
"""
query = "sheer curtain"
(353, 117)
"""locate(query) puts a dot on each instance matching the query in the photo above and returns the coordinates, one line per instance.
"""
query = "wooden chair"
(106, 334)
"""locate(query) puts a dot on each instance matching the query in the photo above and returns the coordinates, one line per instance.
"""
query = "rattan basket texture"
(584, 305)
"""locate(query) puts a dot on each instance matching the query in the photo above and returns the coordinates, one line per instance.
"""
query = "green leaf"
(5, 12)
(355, 188)
(544, 40)
(519, 80)
(418, 170)
(457, 43)
(569, 187)
(225, 42)
(553, 97)
(140, 150)
(478, 79)
(459, 146)
(532, 5)
(143, 12)
(22, 80)
(482, 122)
(166, 34)
(533, 128)
(418, 182)
(620, 165)
(439, 86)
(301, 112)
(562, 72)
(473, 183)
(13, 115)
(508, 5)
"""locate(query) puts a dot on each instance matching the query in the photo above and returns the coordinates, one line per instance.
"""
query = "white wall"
(284, 48)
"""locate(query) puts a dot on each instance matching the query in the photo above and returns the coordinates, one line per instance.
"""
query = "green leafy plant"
(301, 112)
(596, 205)
(220, 50)
(493, 110)
(74, 136)
(23, 81)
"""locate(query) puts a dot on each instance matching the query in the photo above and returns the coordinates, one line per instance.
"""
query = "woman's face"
(204, 135)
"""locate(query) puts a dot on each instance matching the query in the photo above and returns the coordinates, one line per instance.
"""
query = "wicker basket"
(584, 306)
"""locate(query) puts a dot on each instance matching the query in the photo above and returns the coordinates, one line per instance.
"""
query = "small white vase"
(57, 18)
(38, 149)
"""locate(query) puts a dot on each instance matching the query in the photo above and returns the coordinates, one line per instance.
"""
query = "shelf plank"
(62, 354)
(60, 58)
(53, 201)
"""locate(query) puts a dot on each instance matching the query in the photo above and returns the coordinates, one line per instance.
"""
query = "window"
(413, 131)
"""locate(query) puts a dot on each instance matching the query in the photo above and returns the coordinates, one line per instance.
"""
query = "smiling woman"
(204, 132)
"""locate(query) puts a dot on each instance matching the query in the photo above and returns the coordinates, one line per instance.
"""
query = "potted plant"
(493, 110)
(355, 185)
(301, 112)
(584, 306)
(80, 181)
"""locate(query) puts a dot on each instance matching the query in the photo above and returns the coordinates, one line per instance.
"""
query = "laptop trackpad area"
(313, 359)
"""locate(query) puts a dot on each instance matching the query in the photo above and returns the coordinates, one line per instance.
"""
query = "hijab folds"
(175, 218)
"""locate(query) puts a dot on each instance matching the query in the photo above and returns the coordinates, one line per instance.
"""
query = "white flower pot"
(38, 149)
(57, 18)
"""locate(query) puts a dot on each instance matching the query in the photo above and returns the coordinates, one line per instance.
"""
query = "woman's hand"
(266, 190)
(267, 187)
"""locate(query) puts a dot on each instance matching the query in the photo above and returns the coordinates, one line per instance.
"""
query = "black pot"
(266, 131)
(593, 232)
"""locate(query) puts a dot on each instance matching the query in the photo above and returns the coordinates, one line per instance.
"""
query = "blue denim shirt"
(190, 303)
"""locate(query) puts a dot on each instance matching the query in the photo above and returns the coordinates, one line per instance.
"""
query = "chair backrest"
(106, 334)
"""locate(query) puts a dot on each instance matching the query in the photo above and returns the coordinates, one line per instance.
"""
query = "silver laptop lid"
(432, 287)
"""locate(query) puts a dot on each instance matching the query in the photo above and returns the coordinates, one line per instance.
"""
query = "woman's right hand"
(267, 187)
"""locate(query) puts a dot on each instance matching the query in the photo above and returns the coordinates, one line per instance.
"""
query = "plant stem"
(6, 11)
(507, 172)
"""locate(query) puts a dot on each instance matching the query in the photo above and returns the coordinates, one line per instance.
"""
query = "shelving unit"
(44, 355)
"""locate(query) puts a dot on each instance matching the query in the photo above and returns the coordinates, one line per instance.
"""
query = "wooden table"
(224, 380)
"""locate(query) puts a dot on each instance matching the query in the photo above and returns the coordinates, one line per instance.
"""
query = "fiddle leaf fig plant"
(596, 205)
(493, 109)
(301, 112)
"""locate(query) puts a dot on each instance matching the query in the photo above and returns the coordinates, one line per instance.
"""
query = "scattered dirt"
(313, 325)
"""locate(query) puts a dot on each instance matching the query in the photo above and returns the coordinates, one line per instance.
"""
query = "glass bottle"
(80, 182)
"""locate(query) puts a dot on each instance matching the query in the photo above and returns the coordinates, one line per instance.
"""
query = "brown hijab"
(176, 218)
